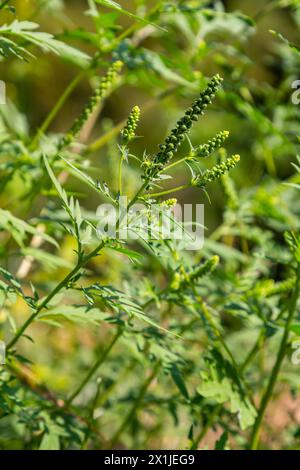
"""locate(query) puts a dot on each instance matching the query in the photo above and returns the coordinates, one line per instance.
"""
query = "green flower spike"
(183, 279)
(208, 267)
(100, 93)
(128, 132)
(215, 172)
(205, 150)
(183, 127)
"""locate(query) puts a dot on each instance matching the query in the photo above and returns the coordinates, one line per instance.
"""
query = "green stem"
(252, 352)
(50, 296)
(213, 326)
(132, 28)
(54, 111)
(94, 369)
(120, 170)
(121, 379)
(206, 427)
(169, 191)
(254, 442)
(101, 141)
(136, 405)
(120, 175)
(137, 195)
(221, 340)
(85, 442)
(177, 162)
(45, 302)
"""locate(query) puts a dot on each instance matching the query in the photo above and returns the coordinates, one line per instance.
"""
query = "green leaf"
(120, 303)
(221, 383)
(48, 260)
(19, 229)
(81, 314)
(178, 379)
(130, 253)
(13, 288)
(295, 328)
(50, 441)
(117, 7)
(53, 432)
(221, 443)
(25, 30)
(156, 62)
(71, 206)
(56, 183)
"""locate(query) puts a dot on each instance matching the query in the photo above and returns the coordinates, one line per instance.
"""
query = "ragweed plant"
(139, 342)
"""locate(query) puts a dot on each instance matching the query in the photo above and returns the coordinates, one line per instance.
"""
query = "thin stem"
(177, 162)
(132, 28)
(213, 326)
(55, 291)
(91, 416)
(137, 195)
(254, 442)
(169, 191)
(120, 175)
(206, 427)
(120, 170)
(45, 302)
(101, 141)
(54, 111)
(266, 9)
(252, 352)
(221, 340)
(121, 378)
(136, 405)
(94, 369)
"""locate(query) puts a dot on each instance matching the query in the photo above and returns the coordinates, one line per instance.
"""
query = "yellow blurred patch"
(25, 8)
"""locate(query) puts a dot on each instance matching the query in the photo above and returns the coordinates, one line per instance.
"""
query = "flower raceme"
(128, 132)
(100, 93)
(215, 172)
(206, 268)
(205, 150)
(183, 279)
(183, 127)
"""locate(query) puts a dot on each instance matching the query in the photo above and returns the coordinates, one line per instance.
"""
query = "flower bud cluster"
(128, 132)
(205, 150)
(100, 92)
(183, 127)
(215, 172)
